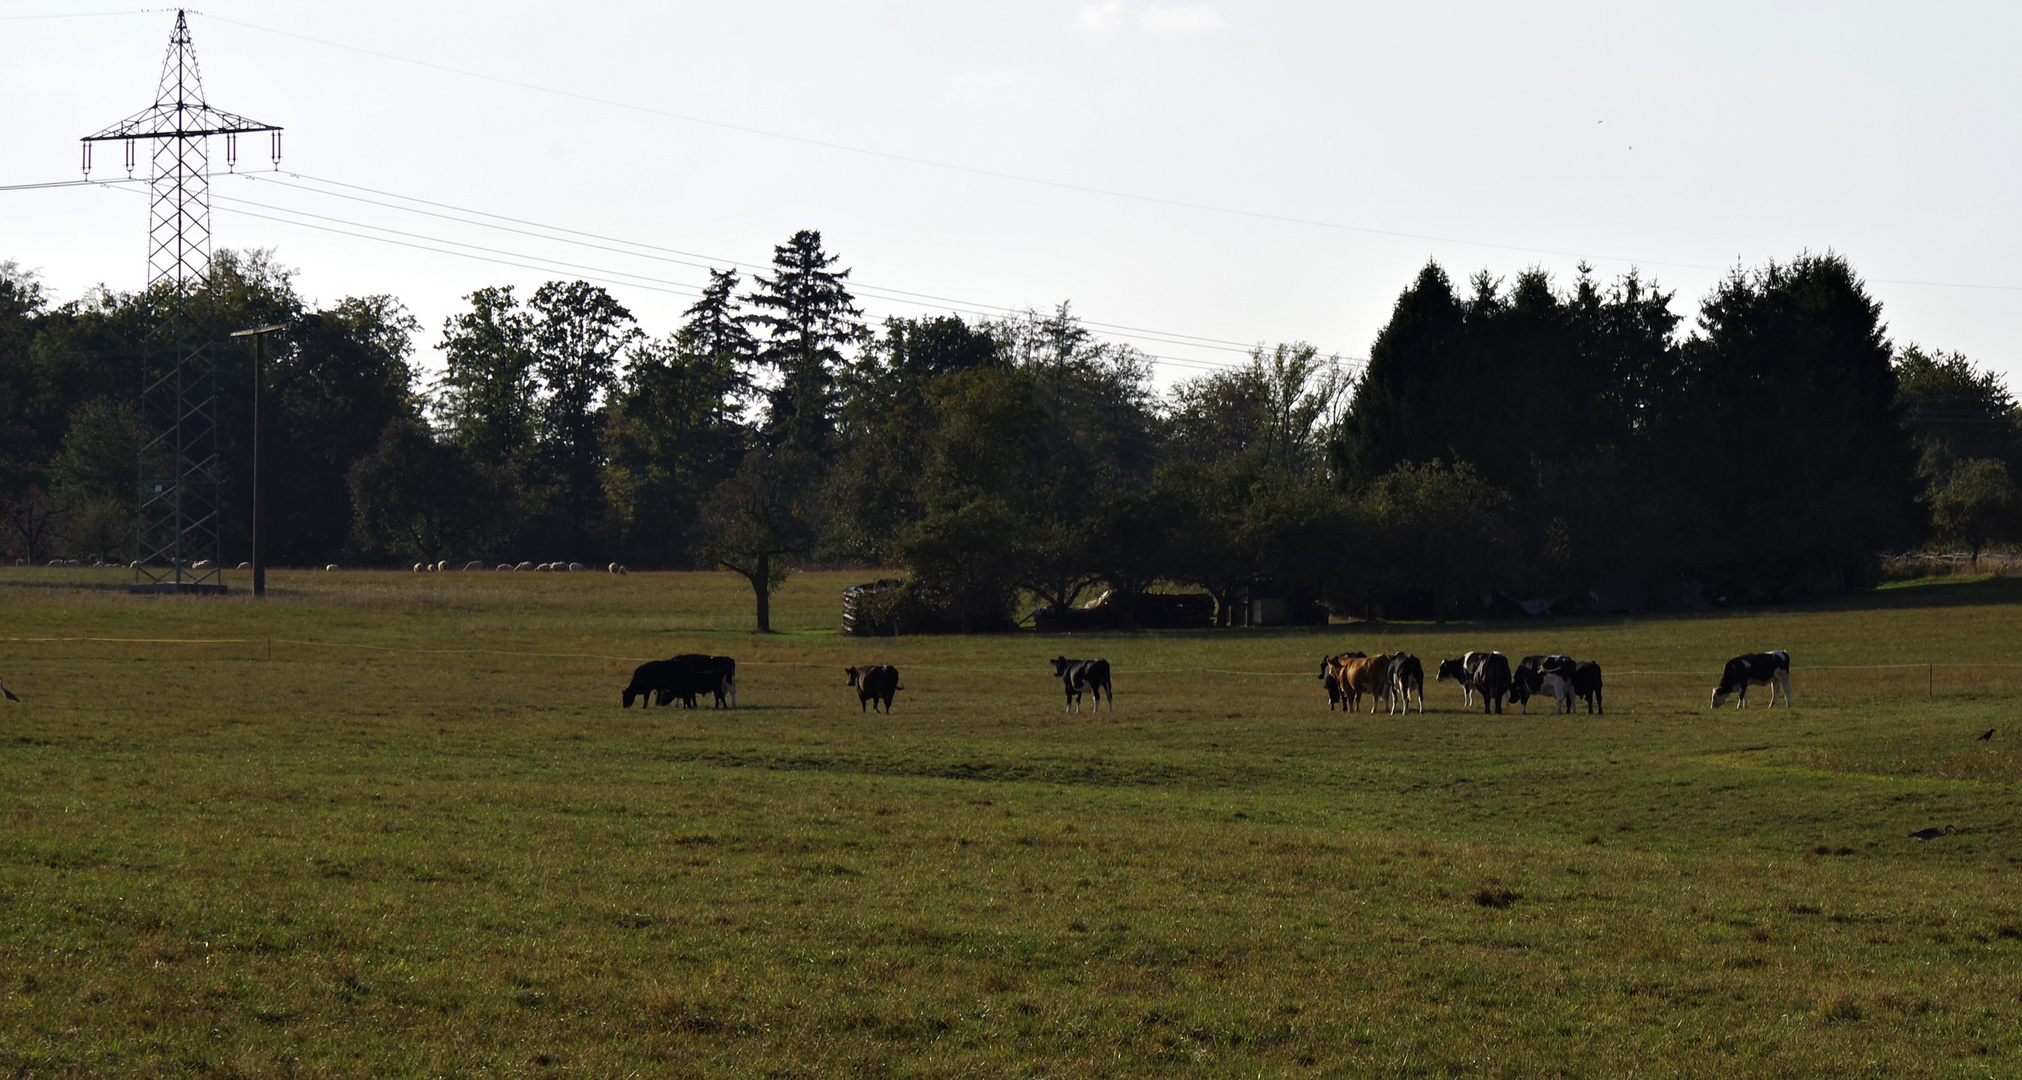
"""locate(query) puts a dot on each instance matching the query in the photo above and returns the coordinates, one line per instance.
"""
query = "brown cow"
(1359, 675)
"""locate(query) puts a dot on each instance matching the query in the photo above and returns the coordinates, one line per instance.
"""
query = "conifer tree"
(809, 318)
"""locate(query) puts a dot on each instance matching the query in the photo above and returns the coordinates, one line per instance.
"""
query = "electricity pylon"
(179, 471)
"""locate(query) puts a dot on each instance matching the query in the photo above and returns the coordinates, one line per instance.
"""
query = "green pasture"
(397, 825)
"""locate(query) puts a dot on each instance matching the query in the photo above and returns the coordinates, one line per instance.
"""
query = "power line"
(710, 261)
(865, 291)
(600, 275)
(78, 14)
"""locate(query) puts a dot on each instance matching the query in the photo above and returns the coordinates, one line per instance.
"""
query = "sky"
(1195, 178)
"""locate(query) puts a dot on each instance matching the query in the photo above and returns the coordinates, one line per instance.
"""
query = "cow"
(1486, 673)
(1529, 679)
(685, 676)
(1359, 675)
(1586, 685)
(1546, 675)
(1407, 677)
(1771, 669)
(875, 684)
(1329, 680)
(1089, 675)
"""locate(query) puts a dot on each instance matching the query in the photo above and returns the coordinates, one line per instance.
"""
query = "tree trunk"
(761, 583)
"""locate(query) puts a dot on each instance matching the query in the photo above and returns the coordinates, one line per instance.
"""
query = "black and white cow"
(1407, 677)
(1084, 675)
(1542, 675)
(1771, 669)
(1485, 673)
(875, 684)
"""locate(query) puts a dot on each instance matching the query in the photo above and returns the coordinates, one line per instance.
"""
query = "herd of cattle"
(1348, 677)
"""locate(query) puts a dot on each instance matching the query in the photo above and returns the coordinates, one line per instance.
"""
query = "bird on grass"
(9, 693)
(1931, 833)
(1985, 736)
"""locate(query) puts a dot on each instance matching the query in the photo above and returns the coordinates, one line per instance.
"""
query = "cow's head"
(1452, 669)
(854, 674)
(1060, 666)
(629, 695)
(1719, 696)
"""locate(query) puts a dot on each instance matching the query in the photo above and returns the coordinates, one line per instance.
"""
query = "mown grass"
(219, 860)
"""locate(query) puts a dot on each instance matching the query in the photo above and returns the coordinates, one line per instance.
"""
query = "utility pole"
(180, 502)
(259, 336)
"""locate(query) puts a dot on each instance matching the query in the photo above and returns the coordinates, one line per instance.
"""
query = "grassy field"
(398, 825)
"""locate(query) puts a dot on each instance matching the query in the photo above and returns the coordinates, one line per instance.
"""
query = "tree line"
(1508, 443)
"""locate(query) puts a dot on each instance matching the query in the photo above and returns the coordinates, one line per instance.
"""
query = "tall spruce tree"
(809, 318)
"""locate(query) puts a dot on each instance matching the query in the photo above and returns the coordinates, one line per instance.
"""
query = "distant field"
(398, 825)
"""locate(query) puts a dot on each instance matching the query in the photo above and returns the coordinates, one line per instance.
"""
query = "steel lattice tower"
(180, 478)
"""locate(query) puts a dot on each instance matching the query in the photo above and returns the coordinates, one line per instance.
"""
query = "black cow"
(1080, 675)
(1586, 685)
(1485, 673)
(1771, 669)
(684, 677)
(698, 682)
(875, 684)
(1332, 683)
(1407, 677)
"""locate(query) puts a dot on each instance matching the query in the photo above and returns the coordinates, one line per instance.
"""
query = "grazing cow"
(1359, 675)
(1331, 681)
(1080, 675)
(1407, 677)
(1486, 673)
(684, 677)
(875, 684)
(1586, 680)
(1771, 669)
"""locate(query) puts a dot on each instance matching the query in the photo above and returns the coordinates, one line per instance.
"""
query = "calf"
(659, 679)
(1586, 681)
(1407, 677)
(1771, 669)
(1088, 675)
(875, 684)
(1486, 673)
